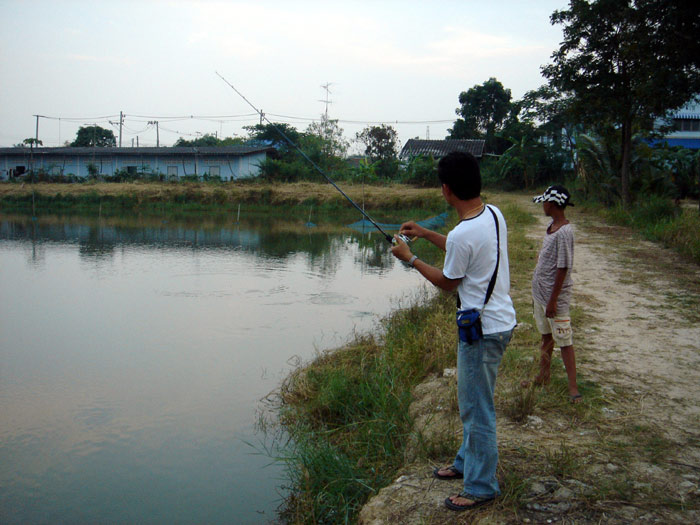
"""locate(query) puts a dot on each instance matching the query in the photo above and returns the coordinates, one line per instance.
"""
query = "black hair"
(460, 172)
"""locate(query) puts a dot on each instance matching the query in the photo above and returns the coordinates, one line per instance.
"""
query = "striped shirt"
(557, 252)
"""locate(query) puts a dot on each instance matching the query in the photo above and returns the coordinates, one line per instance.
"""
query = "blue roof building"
(686, 126)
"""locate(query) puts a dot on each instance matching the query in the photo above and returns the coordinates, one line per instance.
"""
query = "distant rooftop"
(164, 151)
(440, 148)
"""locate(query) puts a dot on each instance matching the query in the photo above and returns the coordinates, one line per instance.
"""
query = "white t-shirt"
(471, 256)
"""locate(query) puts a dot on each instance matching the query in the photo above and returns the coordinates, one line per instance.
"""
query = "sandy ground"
(641, 344)
(645, 335)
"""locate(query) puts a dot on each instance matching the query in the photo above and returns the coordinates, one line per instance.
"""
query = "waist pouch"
(469, 325)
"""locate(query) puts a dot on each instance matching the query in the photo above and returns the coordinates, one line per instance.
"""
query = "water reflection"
(266, 237)
(134, 350)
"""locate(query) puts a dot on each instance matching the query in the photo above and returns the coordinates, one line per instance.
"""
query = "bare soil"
(630, 453)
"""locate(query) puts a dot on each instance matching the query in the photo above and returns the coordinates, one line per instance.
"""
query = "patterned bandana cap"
(557, 194)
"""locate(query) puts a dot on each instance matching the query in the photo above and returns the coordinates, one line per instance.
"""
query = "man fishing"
(476, 265)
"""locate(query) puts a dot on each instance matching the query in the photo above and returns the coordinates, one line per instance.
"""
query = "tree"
(32, 142)
(550, 112)
(625, 62)
(484, 110)
(381, 146)
(272, 134)
(380, 142)
(206, 140)
(94, 136)
(331, 135)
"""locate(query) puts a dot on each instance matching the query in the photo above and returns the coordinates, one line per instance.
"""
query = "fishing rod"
(388, 237)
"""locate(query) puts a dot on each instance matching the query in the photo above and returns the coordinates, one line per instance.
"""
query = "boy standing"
(476, 255)
(552, 288)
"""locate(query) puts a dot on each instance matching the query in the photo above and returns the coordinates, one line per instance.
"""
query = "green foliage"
(484, 110)
(32, 142)
(421, 171)
(94, 136)
(683, 168)
(626, 63)
(280, 170)
(381, 142)
(203, 141)
(597, 170)
(272, 134)
(326, 143)
(662, 172)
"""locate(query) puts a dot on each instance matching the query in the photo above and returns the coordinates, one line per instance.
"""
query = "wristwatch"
(412, 260)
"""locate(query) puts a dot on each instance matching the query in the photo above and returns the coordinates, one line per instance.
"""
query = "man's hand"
(400, 250)
(411, 229)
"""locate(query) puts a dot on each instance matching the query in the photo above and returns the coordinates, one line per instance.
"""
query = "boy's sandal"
(476, 502)
(456, 474)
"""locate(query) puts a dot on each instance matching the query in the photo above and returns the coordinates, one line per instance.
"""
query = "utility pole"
(36, 137)
(262, 115)
(121, 122)
(157, 132)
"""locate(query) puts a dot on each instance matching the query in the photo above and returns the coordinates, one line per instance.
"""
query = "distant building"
(226, 162)
(686, 126)
(439, 148)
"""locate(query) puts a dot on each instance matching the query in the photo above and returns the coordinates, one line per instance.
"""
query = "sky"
(401, 63)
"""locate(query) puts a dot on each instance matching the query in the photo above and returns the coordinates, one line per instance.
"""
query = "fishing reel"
(403, 237)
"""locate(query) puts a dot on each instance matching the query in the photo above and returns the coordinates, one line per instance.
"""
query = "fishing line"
(316, 167)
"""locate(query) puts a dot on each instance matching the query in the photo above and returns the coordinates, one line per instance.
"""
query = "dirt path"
(633, 456)
(645, 333)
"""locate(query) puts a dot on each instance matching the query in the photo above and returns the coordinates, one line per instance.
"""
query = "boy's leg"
(546, 349)
(546, 345)
(569, 358)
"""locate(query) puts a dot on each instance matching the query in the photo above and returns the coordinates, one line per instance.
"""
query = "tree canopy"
(89, 136)
(625, 62)
(484, 110)
(203, 141)
(381, 142)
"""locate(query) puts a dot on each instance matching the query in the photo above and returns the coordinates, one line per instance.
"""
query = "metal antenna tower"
(327, 87)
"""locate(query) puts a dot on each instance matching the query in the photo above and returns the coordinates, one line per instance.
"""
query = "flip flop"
(477, 502)
(575, 399)
(451, 468)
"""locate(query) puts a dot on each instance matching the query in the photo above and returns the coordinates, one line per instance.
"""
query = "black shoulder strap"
(492, 283)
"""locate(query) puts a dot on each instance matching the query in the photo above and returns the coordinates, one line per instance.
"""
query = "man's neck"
(468, 208)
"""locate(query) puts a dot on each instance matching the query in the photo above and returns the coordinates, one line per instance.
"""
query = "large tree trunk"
(625, 167)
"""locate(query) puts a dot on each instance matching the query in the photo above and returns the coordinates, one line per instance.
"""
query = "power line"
(222, 119)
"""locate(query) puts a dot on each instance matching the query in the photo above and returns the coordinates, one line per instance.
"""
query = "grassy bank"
(144, 196)
(347, 412)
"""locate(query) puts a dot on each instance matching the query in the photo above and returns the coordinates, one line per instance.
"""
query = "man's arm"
(411, 229)
(551, 310)
(434, 275)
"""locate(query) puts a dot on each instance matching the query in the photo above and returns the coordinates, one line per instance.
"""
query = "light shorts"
(559, 327)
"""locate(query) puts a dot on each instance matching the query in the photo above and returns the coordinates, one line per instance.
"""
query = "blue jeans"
(477, 367)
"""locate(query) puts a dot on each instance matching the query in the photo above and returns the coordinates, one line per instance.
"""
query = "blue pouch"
(469, 325)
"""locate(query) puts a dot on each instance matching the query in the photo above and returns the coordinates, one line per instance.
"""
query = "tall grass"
(347, 413)
(658, 219)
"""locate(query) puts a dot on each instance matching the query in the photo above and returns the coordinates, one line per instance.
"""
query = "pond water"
(134, 352)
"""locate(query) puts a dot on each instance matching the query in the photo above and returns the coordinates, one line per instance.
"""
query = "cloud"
(464, 43)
